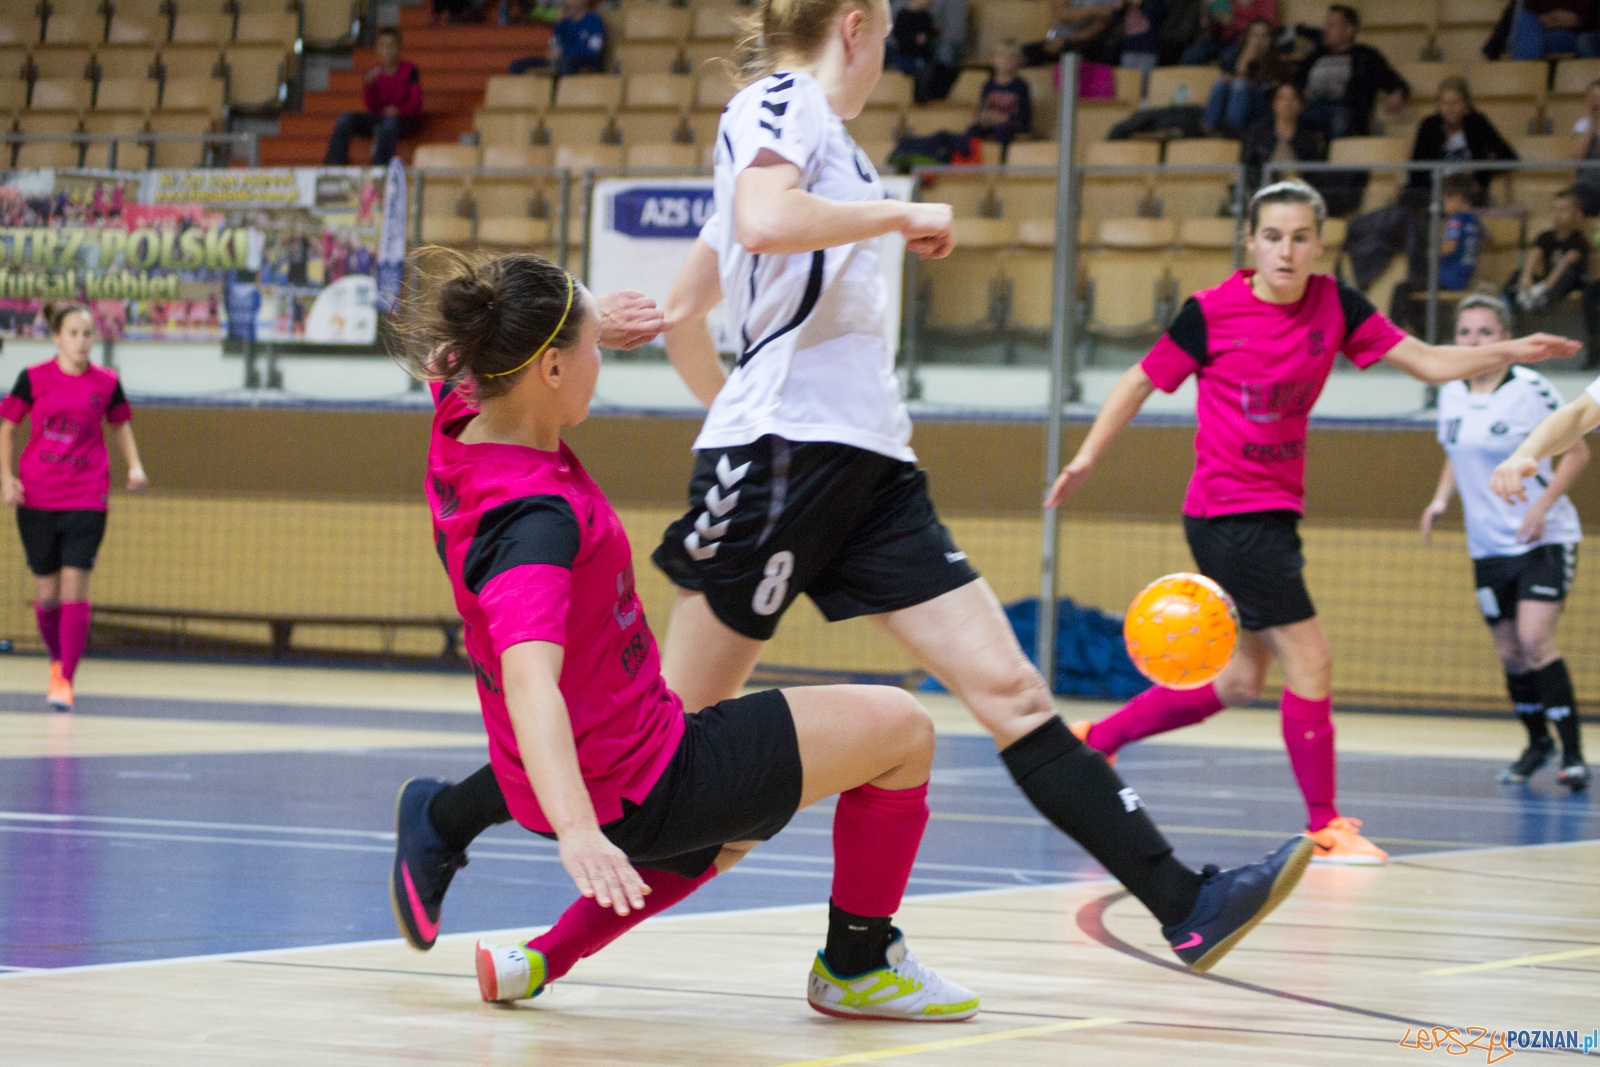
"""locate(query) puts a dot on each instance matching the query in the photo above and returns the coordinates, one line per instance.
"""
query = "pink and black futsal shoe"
(423, 864)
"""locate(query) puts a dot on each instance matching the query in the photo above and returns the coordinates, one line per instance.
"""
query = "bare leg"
(702, 659)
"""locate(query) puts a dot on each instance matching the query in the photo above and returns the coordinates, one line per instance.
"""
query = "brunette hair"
(481, 321)
(779, 28)
(56, 312)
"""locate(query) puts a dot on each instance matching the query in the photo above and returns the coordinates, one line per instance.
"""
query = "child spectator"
(578, 45)
(1462, 240)
(1558, 262)
(393, 98)
(1005, 107)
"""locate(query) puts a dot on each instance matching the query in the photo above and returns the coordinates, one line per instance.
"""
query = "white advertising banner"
(640, 231)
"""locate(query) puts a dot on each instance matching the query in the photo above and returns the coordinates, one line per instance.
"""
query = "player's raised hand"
(1538, 347)
(1507, 480)
(601, 870)
(1430, 515)
(927, 230)
(628, 319)
(1073, 475)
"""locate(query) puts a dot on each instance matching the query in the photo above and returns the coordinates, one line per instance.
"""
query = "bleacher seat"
(1399, 42)
(75, 29)
(13, 98)
(1184, 196)
(647, 57)
(126, 94)
(1424, 76)
(281, 28)
(652, 125)
(661, 155)
(702, 126)
(589, 91)
(877, 151)
(126, 61)
(893, 90)
(13, 62)
(1568, 99)
(1382, 185)
(877, 124)
(997, 20)
(1510, 94)
(180, 153)
(1204, 256)
(658, 90)
(969, 195)
(521, 156)
(1464, 27)
(586, 157)
(1180, 85)
(131, 155)
(202, 27)
(61, 94)
(1034, 154)
(1029, 273)
(190, 61)
(1534, 188)
(961, 291)
(528, 92)
(1110, 196)
(656, 23)
(329, 23)
(256, 74)
(447, 208)
(968, 87)
(926, 119)
(133, 29)
(702, 57)
(42, 154)
(445, 156)
(17, 28)
(713, 89)
(193, 94)
(508, 127)
(65, 61)
(1093, 122)
(1126, 277)
(719, 23)
(1042, 89)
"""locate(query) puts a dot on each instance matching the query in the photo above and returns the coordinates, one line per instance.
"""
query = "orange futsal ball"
(1181, 630)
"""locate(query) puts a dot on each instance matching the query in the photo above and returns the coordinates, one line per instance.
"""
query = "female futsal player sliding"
(64, 478)
(1262, 345)
(587, 742)
(805, 482)
(1523, 554)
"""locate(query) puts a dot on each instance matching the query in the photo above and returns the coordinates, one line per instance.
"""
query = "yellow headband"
(540, 350)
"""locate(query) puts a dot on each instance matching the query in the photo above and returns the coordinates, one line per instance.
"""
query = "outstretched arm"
(130, 453)
(772, 215)
(10, 484)
(627, 319)
(1568, 467)
(1559, 431)
(1440, 502)
(530, 671)
(1438, 364)
(1123, 403)
(696, 290)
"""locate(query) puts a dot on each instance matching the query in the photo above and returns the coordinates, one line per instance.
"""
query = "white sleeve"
(1594, 390)
(786, 114)
(711, 233)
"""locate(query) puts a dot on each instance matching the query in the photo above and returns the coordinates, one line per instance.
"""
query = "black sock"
(1524, 690)
(1072, 785)
(1561, 707)
(461, 812)
(856, 943)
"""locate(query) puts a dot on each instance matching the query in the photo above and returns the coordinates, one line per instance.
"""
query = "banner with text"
(195, 255)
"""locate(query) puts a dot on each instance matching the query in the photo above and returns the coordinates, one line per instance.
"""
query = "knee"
(1240, 689)
(346, 121)
(910, 721)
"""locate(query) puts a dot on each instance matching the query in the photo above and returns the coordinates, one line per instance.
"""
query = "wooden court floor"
(1349, 970)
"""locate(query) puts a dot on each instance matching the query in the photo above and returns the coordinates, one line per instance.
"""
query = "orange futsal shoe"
(1341, 842)
(60, 692)
(1080, 730)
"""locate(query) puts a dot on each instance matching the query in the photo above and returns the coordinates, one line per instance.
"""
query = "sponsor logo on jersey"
(1499, 429)
(1271, 401)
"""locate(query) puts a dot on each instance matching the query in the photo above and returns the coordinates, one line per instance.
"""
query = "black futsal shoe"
(423, 864)
(1574, 773)
(1533, 757)
(1232, 902)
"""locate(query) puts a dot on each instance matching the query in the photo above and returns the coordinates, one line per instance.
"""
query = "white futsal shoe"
(905, 991)
(509, 972)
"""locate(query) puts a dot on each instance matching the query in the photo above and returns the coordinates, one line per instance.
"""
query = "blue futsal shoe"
(1231, 902)
(423, 864)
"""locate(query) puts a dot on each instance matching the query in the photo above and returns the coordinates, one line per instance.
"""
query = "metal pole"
(1431, 332)
(909, 332)
(1063, 360)
(1238, 218)
(563, 214)
(416, 207)
(588, 215)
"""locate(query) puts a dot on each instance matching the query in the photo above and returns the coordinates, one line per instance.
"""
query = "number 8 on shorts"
(775, 586)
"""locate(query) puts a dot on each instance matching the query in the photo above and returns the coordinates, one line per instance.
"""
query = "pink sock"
(585, 928)
(49, 619)
(74, 635)
(1308, 733)
(1154, 711)
(875, 837)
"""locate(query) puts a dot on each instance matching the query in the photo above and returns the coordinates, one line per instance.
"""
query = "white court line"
(682, 917)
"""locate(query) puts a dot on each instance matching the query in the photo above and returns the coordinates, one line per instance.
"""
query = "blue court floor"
(117, 858)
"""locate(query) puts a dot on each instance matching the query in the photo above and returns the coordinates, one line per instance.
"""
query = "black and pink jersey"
(1260, 367)
(64, 466)
(536, 553)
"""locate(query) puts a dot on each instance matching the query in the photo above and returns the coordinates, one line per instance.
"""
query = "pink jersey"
(64, 466)
(536, 553)
(1260, 368)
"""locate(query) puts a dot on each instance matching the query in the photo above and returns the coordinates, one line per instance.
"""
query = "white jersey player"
(1524, 553)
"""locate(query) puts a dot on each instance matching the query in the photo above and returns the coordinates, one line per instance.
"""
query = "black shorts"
(1542, 573)
(853, 530)
(55, 539)
(1256, 557)
(735, 777)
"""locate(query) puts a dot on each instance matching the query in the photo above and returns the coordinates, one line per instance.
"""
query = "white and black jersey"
(812, 361)
(1478, 432)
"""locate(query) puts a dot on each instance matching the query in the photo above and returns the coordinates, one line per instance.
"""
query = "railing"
(147, 141)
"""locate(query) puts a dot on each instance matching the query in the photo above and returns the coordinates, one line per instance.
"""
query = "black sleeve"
(534, 529)
(1356, 307)
(118, 397)
(23, 390)
(1490, 144)
(1388, 79)
(1188, 332)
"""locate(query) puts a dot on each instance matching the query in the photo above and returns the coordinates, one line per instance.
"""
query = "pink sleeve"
(527, 603)
(1168, 365)
(1372, 340)
(14, 410)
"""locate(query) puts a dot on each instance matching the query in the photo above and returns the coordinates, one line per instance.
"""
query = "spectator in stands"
(1141, 33)
(1586, 146)
(1460, 245)
(1224, 24)
(915, 37)
(1005, 107)
(456, 11)
(1284, 136)
(949, 48)
(393, 98)
(1341, 79)
(1239, 99)
(1456, 131)
(1558, 262)
(1081, 26)
(1552, 27)
(578, 44)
